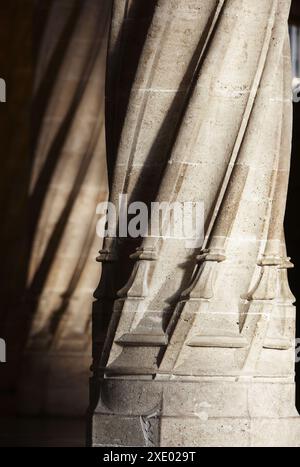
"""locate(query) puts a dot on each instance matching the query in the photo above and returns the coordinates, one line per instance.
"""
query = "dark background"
(292, 219)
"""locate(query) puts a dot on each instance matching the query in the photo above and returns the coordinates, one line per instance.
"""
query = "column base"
(218, 413)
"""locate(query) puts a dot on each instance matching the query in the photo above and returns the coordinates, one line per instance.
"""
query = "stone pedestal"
(210, 412)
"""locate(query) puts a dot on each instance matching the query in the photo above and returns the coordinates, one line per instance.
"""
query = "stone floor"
(38, 432)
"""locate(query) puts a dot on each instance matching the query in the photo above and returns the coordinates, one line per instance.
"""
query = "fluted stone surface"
(199, 349)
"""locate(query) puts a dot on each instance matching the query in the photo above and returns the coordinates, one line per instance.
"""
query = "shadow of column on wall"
(53, 176)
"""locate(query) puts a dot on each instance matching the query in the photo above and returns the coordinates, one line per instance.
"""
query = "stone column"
(199, 343)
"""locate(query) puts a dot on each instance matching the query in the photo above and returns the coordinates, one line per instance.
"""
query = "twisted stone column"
(197, 349)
